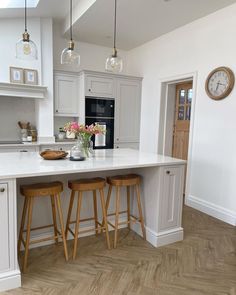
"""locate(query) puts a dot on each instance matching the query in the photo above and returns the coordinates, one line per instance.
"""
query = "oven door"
(99, 107)
(101, 141)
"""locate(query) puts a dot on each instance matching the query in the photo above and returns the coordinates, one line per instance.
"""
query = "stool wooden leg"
(105, 217)
(77, 224)
(58, 201)
(27, 241)
(22, 225)
(107, 202)
(128, 206)
(117, 215)
(95, 211)
(140, 210)
(72, 197)
(54, 217)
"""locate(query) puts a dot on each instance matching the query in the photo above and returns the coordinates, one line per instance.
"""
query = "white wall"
(200, 46)
(41, 33)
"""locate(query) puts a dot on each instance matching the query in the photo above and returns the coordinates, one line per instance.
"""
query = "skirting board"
(162, 238)
(211, 209)
(10, 280)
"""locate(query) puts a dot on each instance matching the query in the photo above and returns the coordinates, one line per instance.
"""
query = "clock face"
(220, 83)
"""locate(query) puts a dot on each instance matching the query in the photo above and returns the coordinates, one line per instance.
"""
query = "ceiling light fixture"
(114, 63)
(26, 48)
(69, 55)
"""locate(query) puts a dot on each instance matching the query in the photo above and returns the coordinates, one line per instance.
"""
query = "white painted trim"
(22, 90)
(160, 239)
(211, 209)
(164, 82)
(10, 280)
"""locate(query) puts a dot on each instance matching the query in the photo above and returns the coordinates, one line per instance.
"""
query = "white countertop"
(20, 165)
(29, 144)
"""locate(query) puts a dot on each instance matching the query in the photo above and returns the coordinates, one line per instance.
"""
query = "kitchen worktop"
(19, 165)
(38, 143)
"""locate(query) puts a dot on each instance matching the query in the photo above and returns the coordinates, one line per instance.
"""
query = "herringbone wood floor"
(204, 263)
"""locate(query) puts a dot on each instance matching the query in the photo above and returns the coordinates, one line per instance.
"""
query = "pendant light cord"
(71, 38)
(115, 25)
(25, 15)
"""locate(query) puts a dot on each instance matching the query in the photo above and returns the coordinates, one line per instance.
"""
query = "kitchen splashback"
(13, 110)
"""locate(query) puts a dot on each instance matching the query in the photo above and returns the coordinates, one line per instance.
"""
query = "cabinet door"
(99, 86)
(128, 106)
(4, 230)
(171, 197)
(66, 95)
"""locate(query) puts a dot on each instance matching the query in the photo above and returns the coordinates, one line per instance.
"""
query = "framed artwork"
(30, 76)
(16, 75)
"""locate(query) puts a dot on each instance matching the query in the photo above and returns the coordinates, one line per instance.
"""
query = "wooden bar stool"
(52, 189)
(130, 180)
(81, 186)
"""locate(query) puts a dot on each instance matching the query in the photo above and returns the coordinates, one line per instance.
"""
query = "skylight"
(18, 3)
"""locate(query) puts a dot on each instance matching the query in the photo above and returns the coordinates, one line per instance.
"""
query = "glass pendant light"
(26, 48)
(69, 55)
(114, 63)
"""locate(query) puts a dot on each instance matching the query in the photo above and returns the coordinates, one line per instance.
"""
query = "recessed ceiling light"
(18, 3)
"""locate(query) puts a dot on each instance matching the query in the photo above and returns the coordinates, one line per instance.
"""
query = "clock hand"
(217, 86)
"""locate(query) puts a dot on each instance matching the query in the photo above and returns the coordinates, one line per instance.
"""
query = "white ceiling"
(139, 21)
(58, 9)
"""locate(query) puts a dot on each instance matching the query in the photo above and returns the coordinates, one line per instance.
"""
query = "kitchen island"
(162, 195)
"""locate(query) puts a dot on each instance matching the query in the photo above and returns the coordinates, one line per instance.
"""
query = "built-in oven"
(101, 111)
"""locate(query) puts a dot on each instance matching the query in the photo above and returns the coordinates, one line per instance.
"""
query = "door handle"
(2, 190)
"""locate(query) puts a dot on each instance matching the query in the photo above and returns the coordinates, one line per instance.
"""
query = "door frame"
(165, 96)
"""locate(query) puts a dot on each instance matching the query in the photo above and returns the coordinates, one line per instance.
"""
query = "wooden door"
(184, 95)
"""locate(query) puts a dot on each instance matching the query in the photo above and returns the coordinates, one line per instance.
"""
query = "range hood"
(22, 90)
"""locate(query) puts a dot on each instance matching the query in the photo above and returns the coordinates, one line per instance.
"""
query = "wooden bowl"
(53, 155)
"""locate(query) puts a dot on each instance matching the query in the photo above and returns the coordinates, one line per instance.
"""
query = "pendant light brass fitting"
(114, 54)
(71, 45)
(26, 36)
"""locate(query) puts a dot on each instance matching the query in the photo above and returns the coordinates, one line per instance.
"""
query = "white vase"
(70, 135)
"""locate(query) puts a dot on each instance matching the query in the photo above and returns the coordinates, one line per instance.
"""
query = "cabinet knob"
(2, 190)
(23, 151)
(56, 111)
(117, 146)
(117, 139)
(167, 172)
(89, 90)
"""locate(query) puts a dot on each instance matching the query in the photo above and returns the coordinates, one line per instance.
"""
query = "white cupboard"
(8, 229)
(66, 87)
(171, 201)
(128, 107)
(99, 86)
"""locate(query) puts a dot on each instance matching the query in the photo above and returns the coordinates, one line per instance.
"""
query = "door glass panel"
(189, 95)
(188, 113)
(181, 96)
(181, 113)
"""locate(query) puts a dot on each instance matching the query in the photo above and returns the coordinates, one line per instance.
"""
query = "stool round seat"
(87, 184)
(41, 189)
(124, 180)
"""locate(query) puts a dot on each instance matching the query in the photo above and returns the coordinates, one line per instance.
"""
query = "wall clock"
(220, 83)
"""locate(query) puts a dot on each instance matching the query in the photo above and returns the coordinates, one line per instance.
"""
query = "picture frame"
(16, 75)
(31, 76)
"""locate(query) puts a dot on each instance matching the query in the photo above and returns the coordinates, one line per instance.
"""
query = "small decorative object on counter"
(84, 145)
(69, 129)
(25, 127)
(33, 133)
(62, 134)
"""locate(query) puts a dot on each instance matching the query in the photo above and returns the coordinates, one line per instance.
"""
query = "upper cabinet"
(66, 95)
(99, 86)
(128, 107)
